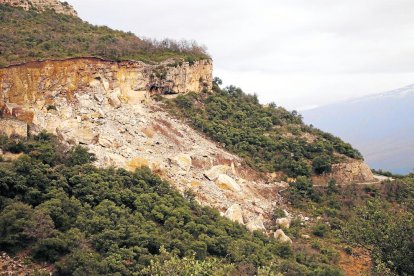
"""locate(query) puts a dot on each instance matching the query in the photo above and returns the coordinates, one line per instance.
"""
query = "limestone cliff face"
(37, 84)
(42, 5)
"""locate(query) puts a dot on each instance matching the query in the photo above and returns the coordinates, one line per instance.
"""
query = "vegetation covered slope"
(270, 138)
(90, 221)
(28, 35)
(378, 218)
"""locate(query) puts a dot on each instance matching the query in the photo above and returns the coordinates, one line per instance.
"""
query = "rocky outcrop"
(352, 171)
(12, 127)
(38, 84)
(42, 5)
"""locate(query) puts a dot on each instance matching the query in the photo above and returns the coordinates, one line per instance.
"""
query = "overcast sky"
(296, 53)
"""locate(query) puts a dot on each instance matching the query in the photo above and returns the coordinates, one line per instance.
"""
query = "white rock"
(281, 236)
(225, 182)
(256, 224)
(183, 161)
(114, 100)
(99, 97)
(283, 222)
(235, 213)
(215, 171)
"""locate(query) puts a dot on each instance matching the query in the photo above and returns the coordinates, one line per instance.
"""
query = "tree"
(322, 164)
(15, 219)
(79, 156)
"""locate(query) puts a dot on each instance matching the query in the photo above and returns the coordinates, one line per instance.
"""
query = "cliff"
(42, 5)
(38, 84)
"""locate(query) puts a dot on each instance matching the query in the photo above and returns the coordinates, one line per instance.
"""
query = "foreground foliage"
(90, 221)
(269, 138)
(379, 218)
(27, 35)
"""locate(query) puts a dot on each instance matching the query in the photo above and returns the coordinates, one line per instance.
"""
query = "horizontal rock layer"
(37, 84)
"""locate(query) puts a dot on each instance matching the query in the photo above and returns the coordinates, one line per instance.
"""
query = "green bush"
(320, 230)
(322, 164)
(15, 219)
(49, 250)
(79, 156)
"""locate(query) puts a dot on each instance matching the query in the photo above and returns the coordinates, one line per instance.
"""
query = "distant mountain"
(380, 126)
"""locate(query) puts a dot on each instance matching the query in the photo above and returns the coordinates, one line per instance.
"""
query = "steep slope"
(270, 138)
(381, 126)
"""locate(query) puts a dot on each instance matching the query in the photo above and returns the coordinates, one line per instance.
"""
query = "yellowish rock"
(281, 236)
(283, 222)
(225, 182)
(235, 213)
(137, 163)
(215, 171)
(183, 161)
(256, 224)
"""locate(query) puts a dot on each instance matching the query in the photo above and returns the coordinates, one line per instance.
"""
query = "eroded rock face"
(38, 84)
(12, 127)
(42, 5)
(353, 171)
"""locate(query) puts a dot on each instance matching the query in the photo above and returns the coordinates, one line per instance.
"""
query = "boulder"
(283, 222)
(235, 213)
(114, 100)
(215, 171)
(225, 182)
(281, 236)
(86, 135)
(256, 224)
(183, 161)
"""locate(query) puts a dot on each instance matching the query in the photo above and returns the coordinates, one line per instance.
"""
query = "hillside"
(130, 159)
(380, 126)
(90, 221)
(32, 35)
(269, 138)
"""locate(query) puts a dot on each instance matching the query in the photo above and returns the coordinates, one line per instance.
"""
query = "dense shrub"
(27, 35)
(91, 221)
(269, 138)
(387, 232)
